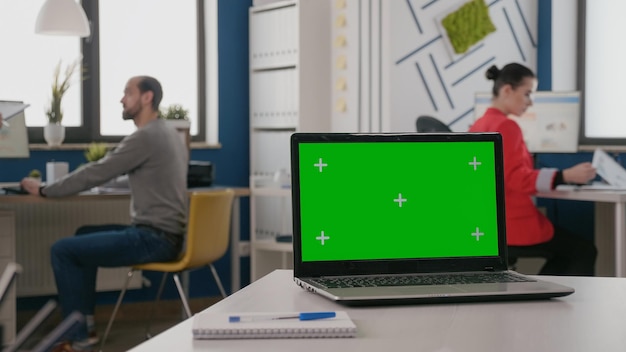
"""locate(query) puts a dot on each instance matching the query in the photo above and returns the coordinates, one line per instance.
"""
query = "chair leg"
(154, 304)
(183, 296)
(217, 279)
(117, 306)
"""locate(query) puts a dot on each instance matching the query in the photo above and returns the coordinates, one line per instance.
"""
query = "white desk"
(592, 319)
(610, 226)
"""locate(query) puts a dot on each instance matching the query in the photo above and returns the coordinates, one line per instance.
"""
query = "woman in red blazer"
(529, 231)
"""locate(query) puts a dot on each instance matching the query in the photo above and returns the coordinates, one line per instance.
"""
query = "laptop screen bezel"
(397, 266)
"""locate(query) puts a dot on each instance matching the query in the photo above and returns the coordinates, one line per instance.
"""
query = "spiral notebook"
(211, 325)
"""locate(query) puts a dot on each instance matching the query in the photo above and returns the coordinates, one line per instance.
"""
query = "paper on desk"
(610, 170)
(8, 109)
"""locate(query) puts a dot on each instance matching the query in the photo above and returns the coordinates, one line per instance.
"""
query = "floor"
(129, 327)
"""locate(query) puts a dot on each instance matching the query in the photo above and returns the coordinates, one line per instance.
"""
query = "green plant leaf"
(96, 151)
(174, 112)
(34, 173)
(59, 87)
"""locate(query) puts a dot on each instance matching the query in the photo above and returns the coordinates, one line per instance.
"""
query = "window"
(164, 39)
(164, 47)
(603, 52)
(28, 62)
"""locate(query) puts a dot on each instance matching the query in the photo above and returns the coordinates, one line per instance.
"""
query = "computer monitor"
(13, 134)
(550, 125)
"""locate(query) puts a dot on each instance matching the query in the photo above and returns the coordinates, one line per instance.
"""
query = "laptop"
(404, 218)
(9, 190)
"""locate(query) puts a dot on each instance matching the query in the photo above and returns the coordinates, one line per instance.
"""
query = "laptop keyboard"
(416, 280)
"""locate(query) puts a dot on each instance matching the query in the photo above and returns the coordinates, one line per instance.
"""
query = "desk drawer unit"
(7, 255)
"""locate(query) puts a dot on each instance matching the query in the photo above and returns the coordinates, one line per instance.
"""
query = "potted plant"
(54, 131)
(96, 151)
(175, 112)
(178, 117)
(34, 173)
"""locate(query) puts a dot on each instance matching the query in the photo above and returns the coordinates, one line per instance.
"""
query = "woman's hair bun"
(492, 73)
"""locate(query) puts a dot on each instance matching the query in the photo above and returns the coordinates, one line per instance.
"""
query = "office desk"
(38, 222)
(592, 319)
(41, 221)
(610, 226)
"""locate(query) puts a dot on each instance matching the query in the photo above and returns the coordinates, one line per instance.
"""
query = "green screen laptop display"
(396, 200)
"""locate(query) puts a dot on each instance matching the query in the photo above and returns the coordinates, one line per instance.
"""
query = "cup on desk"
(55, 170)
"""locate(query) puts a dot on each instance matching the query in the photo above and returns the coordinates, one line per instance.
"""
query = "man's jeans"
(75, 261)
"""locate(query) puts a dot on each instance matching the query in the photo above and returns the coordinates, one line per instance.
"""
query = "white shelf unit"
(289, 92)
(270, 210)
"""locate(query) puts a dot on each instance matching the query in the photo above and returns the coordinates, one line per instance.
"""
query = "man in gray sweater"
(156, 160)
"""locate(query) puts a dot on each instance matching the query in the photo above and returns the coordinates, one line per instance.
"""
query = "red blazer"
(525, 225)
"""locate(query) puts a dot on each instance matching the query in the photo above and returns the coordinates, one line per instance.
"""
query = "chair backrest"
(208, 228)
(427, 124)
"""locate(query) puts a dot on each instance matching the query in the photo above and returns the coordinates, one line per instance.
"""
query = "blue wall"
(544, 45)
(575, 216)
(231, 161)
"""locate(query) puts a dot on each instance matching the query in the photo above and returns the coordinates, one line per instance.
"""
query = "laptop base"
(441, 294)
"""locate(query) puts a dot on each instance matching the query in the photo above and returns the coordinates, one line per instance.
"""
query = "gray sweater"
(156, 161)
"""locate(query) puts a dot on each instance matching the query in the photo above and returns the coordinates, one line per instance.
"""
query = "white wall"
(564, 45)
(399, 66)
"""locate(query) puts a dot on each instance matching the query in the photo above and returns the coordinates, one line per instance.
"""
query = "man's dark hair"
(150, 84)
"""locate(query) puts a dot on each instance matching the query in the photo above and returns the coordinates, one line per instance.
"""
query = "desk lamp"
(62, 17)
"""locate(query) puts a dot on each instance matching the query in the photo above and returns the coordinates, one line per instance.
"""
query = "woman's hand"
(580, 174)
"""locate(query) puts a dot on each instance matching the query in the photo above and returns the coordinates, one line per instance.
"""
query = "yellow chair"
(207, 241)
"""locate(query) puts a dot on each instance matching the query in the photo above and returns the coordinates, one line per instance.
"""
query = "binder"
(216, 325)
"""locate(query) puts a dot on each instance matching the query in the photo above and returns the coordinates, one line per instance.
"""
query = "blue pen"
(299, 316)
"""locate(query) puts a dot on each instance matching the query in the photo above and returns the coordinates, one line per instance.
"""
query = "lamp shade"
(62, 17)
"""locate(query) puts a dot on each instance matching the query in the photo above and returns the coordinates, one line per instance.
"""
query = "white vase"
(54, 134)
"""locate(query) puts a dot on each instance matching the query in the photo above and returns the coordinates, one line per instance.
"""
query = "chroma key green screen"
(392, 200)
